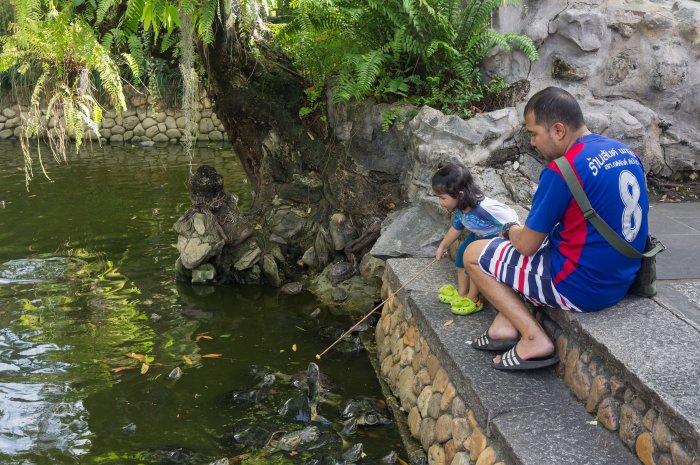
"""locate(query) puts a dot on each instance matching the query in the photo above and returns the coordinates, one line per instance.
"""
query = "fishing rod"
(318, 356)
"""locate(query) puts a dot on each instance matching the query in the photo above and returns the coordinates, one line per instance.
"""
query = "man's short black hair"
(552, 105)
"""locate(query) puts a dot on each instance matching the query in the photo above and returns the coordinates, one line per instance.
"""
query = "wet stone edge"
(437, 416)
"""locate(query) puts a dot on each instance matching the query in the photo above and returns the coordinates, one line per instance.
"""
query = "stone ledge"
(551, 425)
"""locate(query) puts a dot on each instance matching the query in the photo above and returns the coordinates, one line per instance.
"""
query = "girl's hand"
(440, 253)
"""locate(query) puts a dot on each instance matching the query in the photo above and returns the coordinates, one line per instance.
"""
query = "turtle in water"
(364, 411)
(172, 456)
(251, 396)
(268, 436)
(294, 439)
(304, 407)
(353, 454)
(350, 427)
(300, 381)
(349, 344)
(259, 435)
(309, 438)
(372, 419)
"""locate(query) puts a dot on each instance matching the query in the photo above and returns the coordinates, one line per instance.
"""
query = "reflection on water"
(32, 270)
(92, 323)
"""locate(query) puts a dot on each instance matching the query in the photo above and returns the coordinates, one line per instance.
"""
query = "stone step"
(531, 417)
(653, 349)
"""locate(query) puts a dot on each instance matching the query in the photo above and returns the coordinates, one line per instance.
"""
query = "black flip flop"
(484, 342)
(511, 361)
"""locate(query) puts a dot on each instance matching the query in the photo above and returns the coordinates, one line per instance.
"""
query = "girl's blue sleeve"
(457, 221)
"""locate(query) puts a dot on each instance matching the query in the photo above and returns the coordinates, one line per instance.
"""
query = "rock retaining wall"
(437, 416)
(142, 123)
(632, 64)
(608, 394)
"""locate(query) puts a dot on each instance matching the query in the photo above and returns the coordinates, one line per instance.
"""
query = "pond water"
(87, 296)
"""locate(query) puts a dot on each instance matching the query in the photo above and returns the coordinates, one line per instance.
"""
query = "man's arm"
(525, 240)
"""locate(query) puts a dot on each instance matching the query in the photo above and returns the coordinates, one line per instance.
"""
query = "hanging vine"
(189, 83)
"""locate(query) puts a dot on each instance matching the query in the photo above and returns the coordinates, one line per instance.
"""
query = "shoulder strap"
(591, 215)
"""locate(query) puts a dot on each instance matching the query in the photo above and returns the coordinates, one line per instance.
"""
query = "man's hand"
(525, 240)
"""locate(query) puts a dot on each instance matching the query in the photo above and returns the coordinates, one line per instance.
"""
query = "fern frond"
(134, 66)
(205, 21)
(525, 44)
(39, 86)
(107, 41)
(137, 54)
(103, 7)
(132, 18)
(168, 41)
(28, 11)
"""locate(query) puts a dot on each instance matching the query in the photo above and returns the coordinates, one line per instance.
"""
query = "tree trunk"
(298, 175)
(258, 100)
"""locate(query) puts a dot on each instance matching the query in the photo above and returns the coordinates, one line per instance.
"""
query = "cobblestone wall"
(437, 417)
(617, 405)
(142, 123)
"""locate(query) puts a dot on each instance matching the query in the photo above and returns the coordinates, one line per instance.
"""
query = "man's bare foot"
(502, 328)
(529, 348)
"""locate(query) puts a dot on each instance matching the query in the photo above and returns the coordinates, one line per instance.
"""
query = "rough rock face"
(213, 222)
(631, 63)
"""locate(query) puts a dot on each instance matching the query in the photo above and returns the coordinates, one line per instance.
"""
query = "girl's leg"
(473, 292)
(463, 281)
(462, 276)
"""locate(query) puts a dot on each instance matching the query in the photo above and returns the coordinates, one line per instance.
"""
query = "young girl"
(483, 217)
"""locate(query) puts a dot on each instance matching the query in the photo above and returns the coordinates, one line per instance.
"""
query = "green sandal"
(466, 306)
(448, 293)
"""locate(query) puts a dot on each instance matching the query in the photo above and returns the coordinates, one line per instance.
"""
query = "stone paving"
(677, 225)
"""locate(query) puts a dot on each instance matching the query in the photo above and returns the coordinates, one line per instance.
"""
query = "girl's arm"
(451, 236)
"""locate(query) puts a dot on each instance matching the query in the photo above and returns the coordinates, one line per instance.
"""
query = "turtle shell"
(341, 271)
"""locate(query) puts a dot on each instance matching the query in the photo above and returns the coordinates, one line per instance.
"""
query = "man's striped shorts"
(529, 276)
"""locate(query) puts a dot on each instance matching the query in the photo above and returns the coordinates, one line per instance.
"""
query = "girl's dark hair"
(456, 181)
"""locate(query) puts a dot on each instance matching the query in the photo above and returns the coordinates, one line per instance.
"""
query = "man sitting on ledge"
(558, 259)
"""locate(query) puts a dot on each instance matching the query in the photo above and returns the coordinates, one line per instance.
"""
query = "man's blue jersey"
(585, 268)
